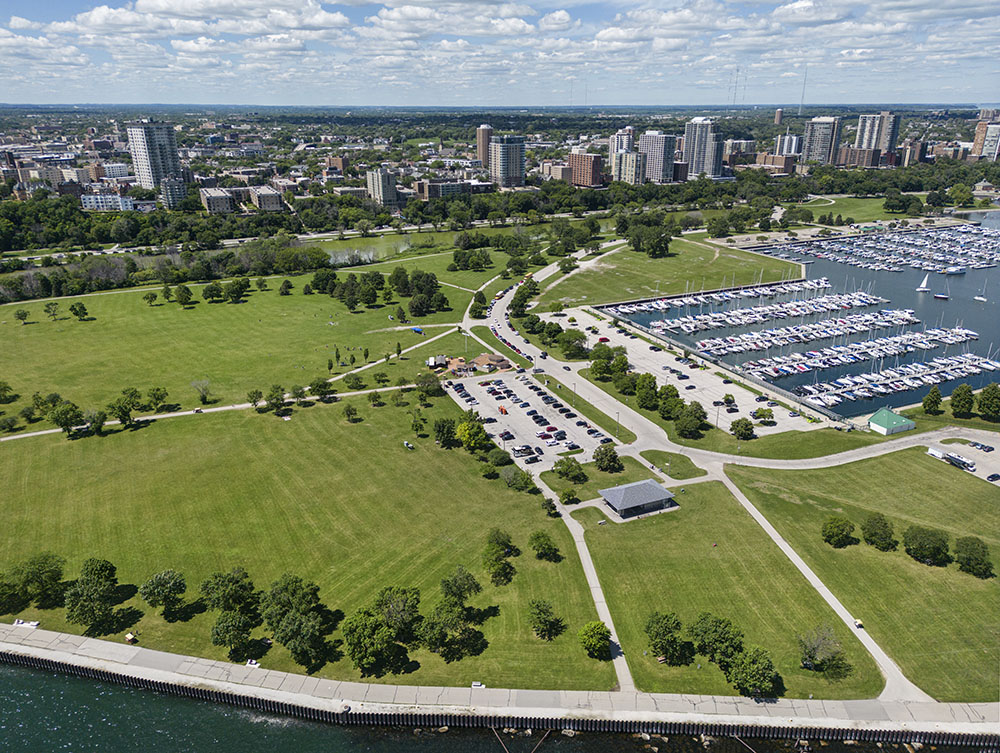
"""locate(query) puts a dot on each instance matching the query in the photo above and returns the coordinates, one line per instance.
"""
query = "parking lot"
(527, 420)
(985, 459)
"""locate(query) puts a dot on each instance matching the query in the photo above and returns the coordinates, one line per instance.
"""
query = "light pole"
(617, 424)
(574, 394)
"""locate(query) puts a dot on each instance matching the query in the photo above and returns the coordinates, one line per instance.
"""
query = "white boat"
(923, 288)
(982, 296)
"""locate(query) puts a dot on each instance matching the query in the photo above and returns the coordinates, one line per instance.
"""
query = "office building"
(778, 115)
(852, 156)
(172, 192)
(106, 202)
(775, 163)
(821, 140)
(484, 134)
(561, 172)
(337, 163)
(788, 144)
(154, 152)
(659, 150)
(702, 148)
(622, 141)
(217, 201)
(877, 131)
(382, 188)
(506, 160)
(629, 167)
(266, 198)
(585, 169)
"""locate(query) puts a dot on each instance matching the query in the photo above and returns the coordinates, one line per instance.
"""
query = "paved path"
(334, 695)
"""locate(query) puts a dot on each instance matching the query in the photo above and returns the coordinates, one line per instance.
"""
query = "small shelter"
(637, 498)
(885, 422)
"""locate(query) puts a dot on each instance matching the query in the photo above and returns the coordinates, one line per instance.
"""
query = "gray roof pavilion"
(637, 497)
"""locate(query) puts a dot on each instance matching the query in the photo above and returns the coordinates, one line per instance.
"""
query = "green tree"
(350, 413)
(877, 531)
(543, 621)
(254, 397)
(230, 592)
(285, 288)
(275, 399)
(606, 459)
(961, 195)
(52, 309)
(927, 545)
(444, 431)
(666, 639)
(570, 469)
(368, 641)
(417, 421)
(545, 548)
(595, 637)
(742, 428)
(460, 585)
(717, 638)
(183, 295)
(167, 293)
(320, 388)
(232, 630)
(932, 401)
(164, 589)
(473, 436)
(989, 402)
(962, 401)
(66, 416)
(973, 556)
(212, 292)
(91, 598)
(690, 420)
(838, 532)
(399, 608)
(121, 409)
(157, 396)
(39, 579)
(78, 310)
(203, 388)
(753, 673)
(21, 315)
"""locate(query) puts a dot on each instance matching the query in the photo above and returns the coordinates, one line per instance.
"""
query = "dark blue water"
(899, 288)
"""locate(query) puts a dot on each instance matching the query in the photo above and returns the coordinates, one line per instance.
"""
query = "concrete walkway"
(334, 695)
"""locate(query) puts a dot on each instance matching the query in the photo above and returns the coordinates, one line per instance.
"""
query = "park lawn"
(345, 505)
(386, 246)
(597, 480)
(483, 333)
(673, 464)
(624, 275)
(596, 417)
(940, 625)
(438, 264)
(268, 339)
(786, 445)
(927, 421)
(710, 555)
(861, 209)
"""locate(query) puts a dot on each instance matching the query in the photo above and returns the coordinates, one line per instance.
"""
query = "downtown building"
(629, 167)
(506, 160)
(659, 149)
(585, 169)
(788, 145)
(484, 134)
(878, 131)
(155, 159)
(622, 141)
(986, 143)
(382, 188)
(702, 148)
(821, 140)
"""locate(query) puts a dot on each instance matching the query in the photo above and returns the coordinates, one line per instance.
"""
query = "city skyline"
(554, 53)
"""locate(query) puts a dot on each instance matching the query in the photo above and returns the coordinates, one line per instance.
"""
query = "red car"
(550, 428)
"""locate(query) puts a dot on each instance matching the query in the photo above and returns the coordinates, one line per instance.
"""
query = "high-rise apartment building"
(778, 115)
(172, 191)
(821, 140)
(483, 135)
(987, 146)
(912, 152)
(878, 131)
(507, 160)
(154, 152)
(382, 188)
(629, 167)
(659, 150)
(702, 148)
(622, 141)
(788, 144)
(586, 169)
(989, 113)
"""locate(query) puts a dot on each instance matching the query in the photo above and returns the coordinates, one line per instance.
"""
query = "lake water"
(899, 288)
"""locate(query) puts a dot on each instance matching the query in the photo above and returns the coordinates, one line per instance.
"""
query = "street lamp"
(617, 424)
(574, 394)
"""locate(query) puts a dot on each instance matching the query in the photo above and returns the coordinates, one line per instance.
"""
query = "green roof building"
(886, 422)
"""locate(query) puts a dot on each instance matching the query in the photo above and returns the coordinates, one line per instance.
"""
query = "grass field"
(674, 464)
(343, 504)
(484, 334)
(709, 555)
(587, 411)
(861, 209)
(926, 421)
(787, 444)
(389, 245)
(941, 626)
(268, 339)
(625, 275)
(597, 480)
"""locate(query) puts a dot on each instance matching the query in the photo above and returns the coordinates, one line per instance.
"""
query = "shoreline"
(344, 702)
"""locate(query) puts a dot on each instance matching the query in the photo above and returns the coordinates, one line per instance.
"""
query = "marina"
(923, 325)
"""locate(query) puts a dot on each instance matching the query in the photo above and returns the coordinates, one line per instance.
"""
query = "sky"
(494, 53)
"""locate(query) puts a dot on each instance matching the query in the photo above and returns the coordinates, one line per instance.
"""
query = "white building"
(382, 188)
(106, 202)
(821, 140)
(154, 152)
(217, 201)
(629, 167)
(507, 160)
(788, 145)
(622, 141)
(877, 131)
(266, 198)
(659, 149)
(702, 148)
(115, 169)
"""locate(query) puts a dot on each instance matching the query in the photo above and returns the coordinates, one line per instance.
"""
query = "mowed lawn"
(438, 264)
(624, 274)
(709, 555)
(597, 480)
(674, 464)
(860, 209)
(941, 626)
(268, 339)
(343, 504)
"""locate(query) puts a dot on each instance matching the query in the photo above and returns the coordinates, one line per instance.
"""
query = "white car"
(551, 442)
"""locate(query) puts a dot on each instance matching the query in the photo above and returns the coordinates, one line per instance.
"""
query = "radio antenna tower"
(805, 77)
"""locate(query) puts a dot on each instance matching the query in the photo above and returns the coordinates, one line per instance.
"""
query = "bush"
(877, 531)
(595, 637)
(499, 457)
(973, 556)
(839, 532)
(927, 545)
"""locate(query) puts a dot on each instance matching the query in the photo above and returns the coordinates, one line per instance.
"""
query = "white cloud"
(557, 20)
(16, 22)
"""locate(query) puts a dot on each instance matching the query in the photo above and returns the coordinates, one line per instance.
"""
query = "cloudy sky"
(487, 52)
